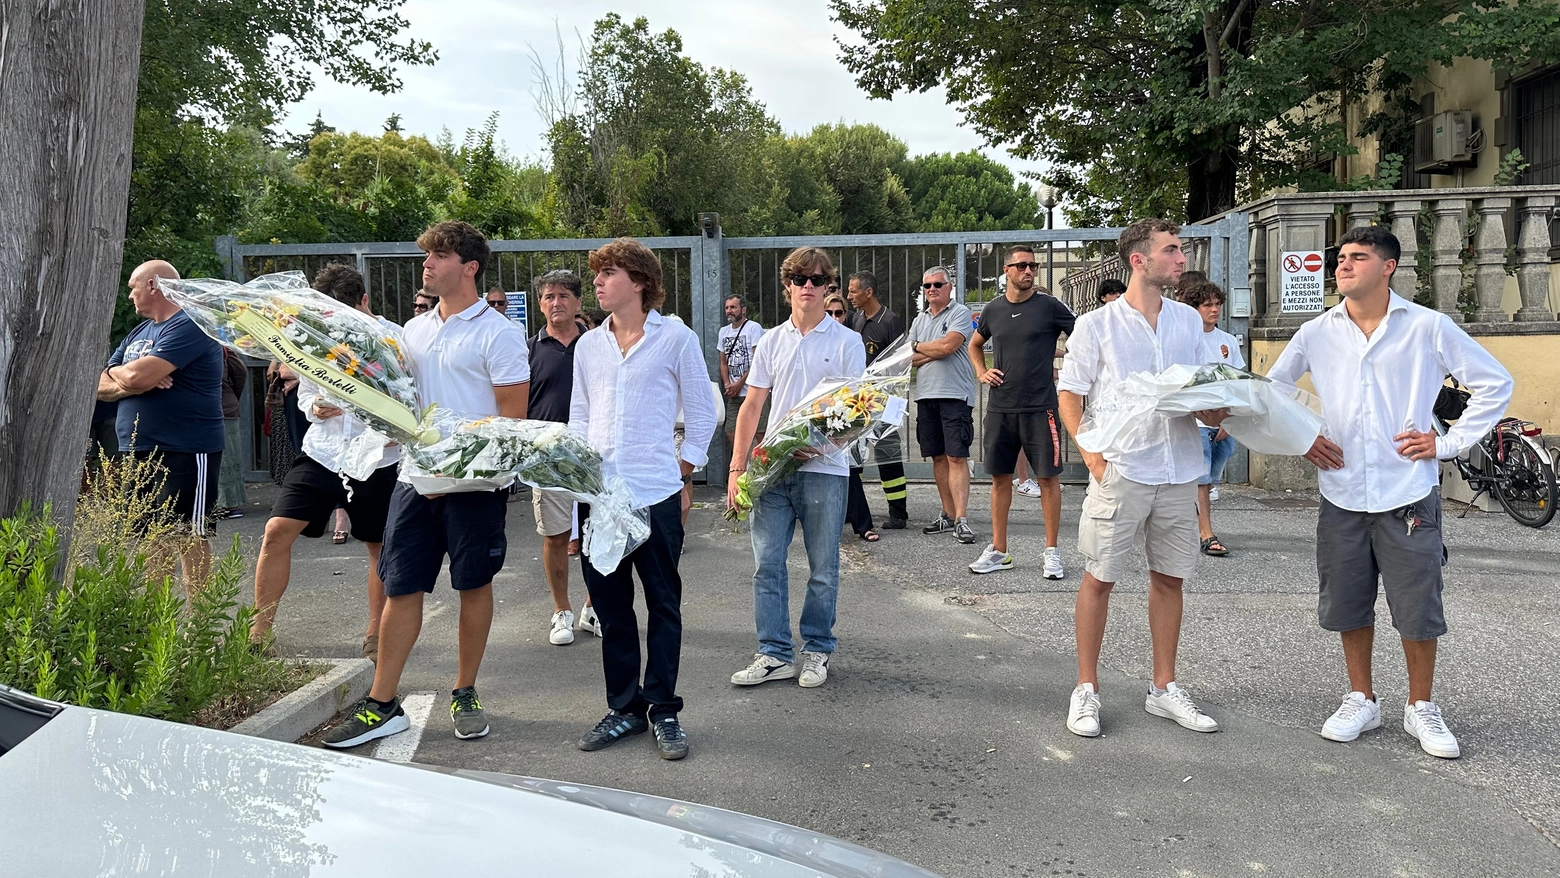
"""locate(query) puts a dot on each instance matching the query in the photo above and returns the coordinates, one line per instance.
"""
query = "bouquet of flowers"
(832, 416)
(360, 364)
(356, 359)
(1265, 416)
(493, 453)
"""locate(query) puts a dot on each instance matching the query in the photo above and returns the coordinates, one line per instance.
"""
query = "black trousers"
(857, 513)
(612, 596)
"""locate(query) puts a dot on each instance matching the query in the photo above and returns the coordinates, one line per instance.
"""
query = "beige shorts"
(1117, 509)
(554, 512)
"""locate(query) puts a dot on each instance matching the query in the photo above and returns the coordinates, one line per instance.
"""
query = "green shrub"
(118, 638)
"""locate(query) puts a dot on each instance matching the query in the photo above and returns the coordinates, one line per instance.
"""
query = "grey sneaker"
(670, 739)
(763, 669)
(963, 531)
(466, 711)
(990, 561)
(943, 525)
(815, 669)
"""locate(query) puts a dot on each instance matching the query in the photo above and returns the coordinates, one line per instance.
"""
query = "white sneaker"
(815, 669)
(1213, 493)
(1355, 715)
(763, 669)
(1422, 719)
(1053, 563)
(1083, 713)
(562, 628)
(1177, 704)
(990, 561)
(589, 621)
(1028, 487)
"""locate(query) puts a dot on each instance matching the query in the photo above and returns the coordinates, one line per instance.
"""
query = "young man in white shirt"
(1153, 488)
(1218, 446)
(314, 487)
(787, 364)
(630, 376)
(471, 360)
(1378, 361)
(735, 341)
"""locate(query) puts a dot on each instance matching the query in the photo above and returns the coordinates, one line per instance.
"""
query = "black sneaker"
(234, 512)
(612, 728)
(670, 739)
(367, 722)
(943, 525)
(896, 524)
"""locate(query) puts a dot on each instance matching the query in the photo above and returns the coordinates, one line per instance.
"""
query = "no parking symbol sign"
(1301, 284)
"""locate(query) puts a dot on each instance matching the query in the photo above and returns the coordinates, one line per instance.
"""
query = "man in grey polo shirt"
(944, 399)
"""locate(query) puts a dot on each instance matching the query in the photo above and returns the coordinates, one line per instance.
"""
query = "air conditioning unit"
(1441, 141)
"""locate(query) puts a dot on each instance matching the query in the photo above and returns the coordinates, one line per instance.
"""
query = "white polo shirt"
(791, 364)
(1375, 388)
(1114, 341)
(458, 362)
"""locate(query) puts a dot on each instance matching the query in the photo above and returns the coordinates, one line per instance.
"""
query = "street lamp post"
(1049, 197)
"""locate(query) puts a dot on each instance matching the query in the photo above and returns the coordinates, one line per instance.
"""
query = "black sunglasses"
(1024, 266)
(800, 280)
(934, 285)
(499, 305)
(837, 313)
(418, 306)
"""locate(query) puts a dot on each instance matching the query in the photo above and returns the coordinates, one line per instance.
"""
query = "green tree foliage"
(967, 192)
(1176, 107)
(862, 164)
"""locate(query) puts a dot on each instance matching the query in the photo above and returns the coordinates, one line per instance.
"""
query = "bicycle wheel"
(1524, 484)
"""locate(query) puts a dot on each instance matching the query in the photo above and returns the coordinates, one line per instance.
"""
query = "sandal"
(1212, 546)
(339, 537)
(870, 536)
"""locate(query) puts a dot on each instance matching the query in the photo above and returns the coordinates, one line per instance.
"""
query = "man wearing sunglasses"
(789, 362)
(879, 328)
(423, 302)
(1021, 405)
(944, 400)
(735, 342)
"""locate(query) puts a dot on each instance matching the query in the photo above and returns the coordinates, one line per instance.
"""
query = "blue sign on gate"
(515, 310)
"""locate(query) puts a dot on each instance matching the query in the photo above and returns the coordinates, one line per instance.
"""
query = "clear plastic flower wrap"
(835, 414)
(1265, 416)
(354, 358)
(492, 453)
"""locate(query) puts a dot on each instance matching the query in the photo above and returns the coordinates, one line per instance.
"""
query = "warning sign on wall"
(1300, 289)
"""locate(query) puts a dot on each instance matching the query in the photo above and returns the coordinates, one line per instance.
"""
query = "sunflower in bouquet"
(829, 419)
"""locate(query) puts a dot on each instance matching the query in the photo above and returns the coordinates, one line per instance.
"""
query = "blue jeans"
(1215, 455)
(817, 500)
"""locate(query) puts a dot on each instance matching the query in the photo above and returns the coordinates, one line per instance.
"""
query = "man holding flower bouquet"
(631, 374)
(788, 363)
(469, 359)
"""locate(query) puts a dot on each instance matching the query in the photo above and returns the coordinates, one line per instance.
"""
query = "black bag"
(1451, 402)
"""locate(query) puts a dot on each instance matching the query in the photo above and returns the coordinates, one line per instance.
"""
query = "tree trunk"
(1210, 184)
(67, 105)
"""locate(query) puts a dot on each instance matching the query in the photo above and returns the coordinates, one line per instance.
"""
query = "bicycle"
(1509, 463)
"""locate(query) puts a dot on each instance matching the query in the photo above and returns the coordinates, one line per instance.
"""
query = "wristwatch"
(912, 347)
(688, 479)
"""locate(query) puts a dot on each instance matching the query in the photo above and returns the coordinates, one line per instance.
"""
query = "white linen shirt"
(1114, 341)
(791, 364)
(327, 440)
(458, 362)
(1376, 388)
(626, 406)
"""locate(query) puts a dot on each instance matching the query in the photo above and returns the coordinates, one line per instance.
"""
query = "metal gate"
(701, 271)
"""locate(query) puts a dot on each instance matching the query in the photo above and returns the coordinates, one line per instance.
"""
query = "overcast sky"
(785, 48)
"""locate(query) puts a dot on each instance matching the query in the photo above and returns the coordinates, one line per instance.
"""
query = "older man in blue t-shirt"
(167, 377)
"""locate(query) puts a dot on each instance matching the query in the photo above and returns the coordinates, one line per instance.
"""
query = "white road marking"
(402, 747)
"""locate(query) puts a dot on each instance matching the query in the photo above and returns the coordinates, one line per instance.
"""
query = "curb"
(297, 714)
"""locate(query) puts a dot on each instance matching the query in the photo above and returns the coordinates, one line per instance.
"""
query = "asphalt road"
(939, 736)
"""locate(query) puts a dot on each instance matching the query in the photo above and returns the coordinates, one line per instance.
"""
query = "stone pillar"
(1533, 259)
(1490, 255)
(1260, 298)
(1404, 216)
(1446, 254)
(1363, 213)
(1303, 224)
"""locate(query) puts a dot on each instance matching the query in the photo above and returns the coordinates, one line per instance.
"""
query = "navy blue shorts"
(422, 530)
